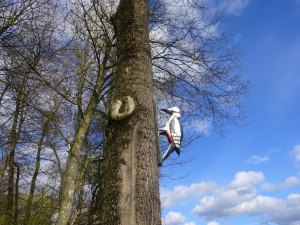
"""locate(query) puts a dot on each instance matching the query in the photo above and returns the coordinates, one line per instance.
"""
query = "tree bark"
(129, 184)
(12, 143)
(35, 174)
(72, 165)
(10, 189)
(13, 139)
(16, 216)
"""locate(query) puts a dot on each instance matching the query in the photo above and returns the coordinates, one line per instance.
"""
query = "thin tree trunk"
(93, 205)
(35, 174)
(71, 172)
(18, 120)
(3, 165)
(79, 205)
(12, 142)
(59, 166)
(16, 216)
(80, 187)
(12, 146)
(10, 190)
(73, 161)
(129, 184)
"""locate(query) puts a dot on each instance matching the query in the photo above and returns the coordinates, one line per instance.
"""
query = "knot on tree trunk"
(120, 109)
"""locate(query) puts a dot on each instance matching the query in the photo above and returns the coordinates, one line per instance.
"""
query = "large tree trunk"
(130, 190)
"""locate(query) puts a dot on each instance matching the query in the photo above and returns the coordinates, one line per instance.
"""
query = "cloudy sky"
(251, 175)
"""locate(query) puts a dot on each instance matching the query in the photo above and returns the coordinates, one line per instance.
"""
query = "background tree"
(25, 47)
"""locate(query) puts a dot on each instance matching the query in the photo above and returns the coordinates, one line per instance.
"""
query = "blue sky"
(252, 174)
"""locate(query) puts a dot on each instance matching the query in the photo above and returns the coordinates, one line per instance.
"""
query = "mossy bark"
(129, 175)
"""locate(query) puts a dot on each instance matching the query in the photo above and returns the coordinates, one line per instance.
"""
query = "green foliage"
(42, 209)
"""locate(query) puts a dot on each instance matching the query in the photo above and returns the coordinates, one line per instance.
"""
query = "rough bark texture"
(130, 191)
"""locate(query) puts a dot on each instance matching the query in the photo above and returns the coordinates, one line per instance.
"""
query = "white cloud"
(231, 7)
(238, 197)
(270, 209)
(201, 126)
(288, 182)
(175, 218)
(235, 7)
(257, 206)
(246, 179)
(182, 193)
(254, 159)
(295, 153)
(279, 211)
(221, 204)
(213, 223)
